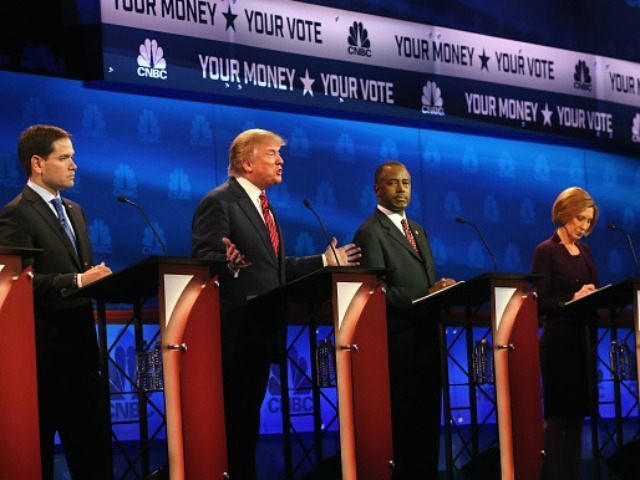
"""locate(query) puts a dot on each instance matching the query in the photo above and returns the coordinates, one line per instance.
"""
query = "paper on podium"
(437, 292)
(571, 302)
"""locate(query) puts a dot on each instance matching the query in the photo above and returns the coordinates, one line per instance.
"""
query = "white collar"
(45, 194)
(396, 218)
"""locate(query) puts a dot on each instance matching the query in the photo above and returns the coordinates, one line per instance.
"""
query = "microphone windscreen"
(460, 220)
(121, 199)
(306, 203)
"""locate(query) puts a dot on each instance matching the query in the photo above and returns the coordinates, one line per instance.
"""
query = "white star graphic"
(307, 81)
(546, 113)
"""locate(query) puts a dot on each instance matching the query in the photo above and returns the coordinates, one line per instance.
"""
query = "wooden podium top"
(315, 287)
(472, 292)
(615, 295)
(137, 282)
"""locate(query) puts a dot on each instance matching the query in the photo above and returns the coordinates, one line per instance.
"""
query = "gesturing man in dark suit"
(389, 240)
(66, 347)
(235, 224)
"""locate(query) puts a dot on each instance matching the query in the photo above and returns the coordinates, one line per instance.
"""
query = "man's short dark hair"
(38, 140)
(390, 163)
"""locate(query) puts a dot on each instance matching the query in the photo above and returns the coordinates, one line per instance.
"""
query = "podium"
(357, 314)
(615, 298)
(20, 439)
(189, 317)
(513, 331)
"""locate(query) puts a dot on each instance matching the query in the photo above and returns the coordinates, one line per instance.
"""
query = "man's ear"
(247, 166)
(36, 164)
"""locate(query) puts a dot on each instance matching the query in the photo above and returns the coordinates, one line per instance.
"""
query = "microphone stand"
(123, 199)
(484, 242)
(611, 226)
(326, 233)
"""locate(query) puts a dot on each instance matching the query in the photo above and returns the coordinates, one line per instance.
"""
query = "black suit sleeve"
(543, 264)
(17, 230)
(210, 224)
(558, 284)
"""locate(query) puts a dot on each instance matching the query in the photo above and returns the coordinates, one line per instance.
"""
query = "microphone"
(486, 245)
(612, 226)
(326, 234)
(123, 199)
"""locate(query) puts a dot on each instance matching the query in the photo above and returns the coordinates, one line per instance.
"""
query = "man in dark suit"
(235, 224)
(389, 240)
(66, 346)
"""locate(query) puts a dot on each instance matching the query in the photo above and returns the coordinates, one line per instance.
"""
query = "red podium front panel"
(351, 300)
(20, 437)
(189, 316)
(517, 379)
(194, 404)
(364, 404)
(513, 317)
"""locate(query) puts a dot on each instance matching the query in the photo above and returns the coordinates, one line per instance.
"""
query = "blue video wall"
(165, 154)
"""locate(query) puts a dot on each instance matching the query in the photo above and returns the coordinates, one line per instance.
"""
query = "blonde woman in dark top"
(569, 272)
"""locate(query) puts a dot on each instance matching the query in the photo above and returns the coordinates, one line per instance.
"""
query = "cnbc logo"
(582, 77)
(359, 43)
(151, 62)
(432, 102)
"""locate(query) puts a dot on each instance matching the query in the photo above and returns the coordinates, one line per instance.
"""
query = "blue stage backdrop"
(166, 154)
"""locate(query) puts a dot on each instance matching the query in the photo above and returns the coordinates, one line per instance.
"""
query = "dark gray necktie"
(57, 204)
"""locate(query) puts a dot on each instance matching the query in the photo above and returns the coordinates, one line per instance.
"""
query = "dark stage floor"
(271, 464)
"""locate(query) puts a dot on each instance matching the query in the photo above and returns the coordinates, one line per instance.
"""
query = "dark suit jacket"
(227, 211)
(563, 346)
(558, 267)
(65, 331)
(384, 246)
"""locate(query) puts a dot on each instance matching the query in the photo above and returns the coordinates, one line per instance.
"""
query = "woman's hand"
(584, 291)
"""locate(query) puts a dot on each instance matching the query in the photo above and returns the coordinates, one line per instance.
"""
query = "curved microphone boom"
(326, 234)
(123, 199)
(486, 245)
(612, 226)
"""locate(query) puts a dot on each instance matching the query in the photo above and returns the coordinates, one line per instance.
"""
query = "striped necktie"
(62, 217)
(408, 234)
(270, 223)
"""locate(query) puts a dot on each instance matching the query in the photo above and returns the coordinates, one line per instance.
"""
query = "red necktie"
(269, 222)
(408, 234)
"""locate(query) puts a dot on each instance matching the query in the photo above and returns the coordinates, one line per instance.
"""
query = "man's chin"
(397, 209)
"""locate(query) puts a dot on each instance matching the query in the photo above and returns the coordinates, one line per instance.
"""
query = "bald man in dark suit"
(66, 347)
(389, 240)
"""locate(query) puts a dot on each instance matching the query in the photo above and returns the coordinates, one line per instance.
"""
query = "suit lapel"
(250, 211)
(78, 222)
(396, 235)
(51, 220)
(423, 245)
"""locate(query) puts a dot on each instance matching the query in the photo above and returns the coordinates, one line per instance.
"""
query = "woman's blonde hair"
(570, 203)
